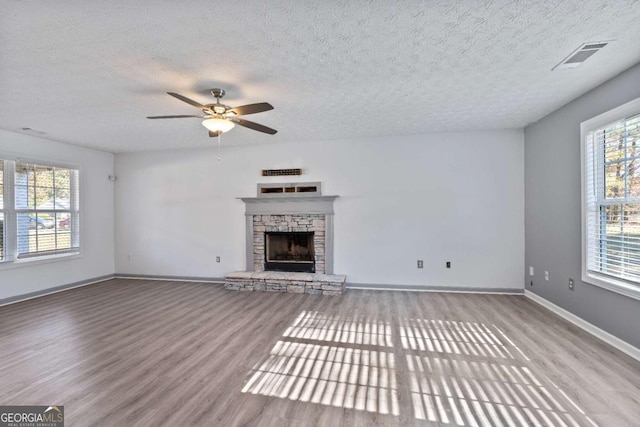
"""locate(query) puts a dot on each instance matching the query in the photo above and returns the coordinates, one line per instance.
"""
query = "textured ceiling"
(89, 72)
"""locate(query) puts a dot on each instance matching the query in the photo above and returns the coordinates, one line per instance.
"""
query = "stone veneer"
(289, 223)
(277, 281)
(288, 213)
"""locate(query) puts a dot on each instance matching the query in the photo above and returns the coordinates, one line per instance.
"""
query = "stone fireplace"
(290, 213)
(313, 226)
(289, 242)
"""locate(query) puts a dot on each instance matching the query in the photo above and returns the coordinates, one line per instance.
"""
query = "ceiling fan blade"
(254, 126)
(185, 99)
(214, 134)
(181, 116)
(251, 108)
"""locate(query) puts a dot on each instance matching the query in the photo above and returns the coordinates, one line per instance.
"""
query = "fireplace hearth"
(289, 251)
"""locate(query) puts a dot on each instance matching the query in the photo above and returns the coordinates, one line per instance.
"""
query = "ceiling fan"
(220, 118)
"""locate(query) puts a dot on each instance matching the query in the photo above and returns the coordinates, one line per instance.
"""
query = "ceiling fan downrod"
(218, 93)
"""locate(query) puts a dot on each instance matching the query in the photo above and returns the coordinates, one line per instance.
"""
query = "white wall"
(96, 217)
(455, 197)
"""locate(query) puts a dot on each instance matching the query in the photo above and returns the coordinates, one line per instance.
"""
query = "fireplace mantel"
(260, 209)
(284, 205)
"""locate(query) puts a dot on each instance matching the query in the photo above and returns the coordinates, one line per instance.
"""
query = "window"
(611, 200)
(39, 210)
(1, 210)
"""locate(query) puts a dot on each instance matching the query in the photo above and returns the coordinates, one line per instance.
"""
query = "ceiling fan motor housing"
(218, 93)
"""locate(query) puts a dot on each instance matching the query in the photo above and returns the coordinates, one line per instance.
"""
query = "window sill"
(611, 284)
(29, 262)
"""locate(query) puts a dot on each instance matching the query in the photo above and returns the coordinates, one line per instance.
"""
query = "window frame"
(12, 260)
(3, 212)
(625, 287)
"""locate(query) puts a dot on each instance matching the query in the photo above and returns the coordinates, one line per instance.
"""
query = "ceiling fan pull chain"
(219, 136)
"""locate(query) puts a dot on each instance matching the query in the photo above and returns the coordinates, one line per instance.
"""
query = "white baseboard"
(605, 336)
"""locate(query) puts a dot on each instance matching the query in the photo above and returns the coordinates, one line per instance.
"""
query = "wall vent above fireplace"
(289, 189)
(281, 172)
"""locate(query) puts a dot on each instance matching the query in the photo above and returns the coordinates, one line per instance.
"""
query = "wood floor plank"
(146, 352)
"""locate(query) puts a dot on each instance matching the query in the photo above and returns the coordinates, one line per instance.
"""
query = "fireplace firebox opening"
(289, 251)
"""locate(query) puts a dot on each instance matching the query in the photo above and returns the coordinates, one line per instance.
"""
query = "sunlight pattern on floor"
(464, 338)
(483, 394)
(336, 376)
(312, 325)
(452, 372)
(483, 384)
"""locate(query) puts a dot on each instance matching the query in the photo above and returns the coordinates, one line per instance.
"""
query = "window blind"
(612, 195)
(46, 209)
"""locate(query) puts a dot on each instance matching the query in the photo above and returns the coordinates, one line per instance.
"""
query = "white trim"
(48, 161)
(613, 284)
(606, 282)
(614, 115)
(605, 336)
(36, 260)
(10, 220)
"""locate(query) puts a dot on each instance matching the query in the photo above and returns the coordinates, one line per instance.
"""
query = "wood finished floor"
(137, 352)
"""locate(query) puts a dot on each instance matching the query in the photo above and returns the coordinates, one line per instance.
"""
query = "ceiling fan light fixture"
(218, 125)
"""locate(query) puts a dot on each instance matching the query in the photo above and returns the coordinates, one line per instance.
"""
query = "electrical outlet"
(217, 259)
(546, 276)
(571, 284)
(420, 264)
(448, 264)
(531, 271)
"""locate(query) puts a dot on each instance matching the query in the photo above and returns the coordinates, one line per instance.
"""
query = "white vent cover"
(581, 54)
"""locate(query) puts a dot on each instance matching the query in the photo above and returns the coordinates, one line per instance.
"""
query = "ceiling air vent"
(580, 55)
